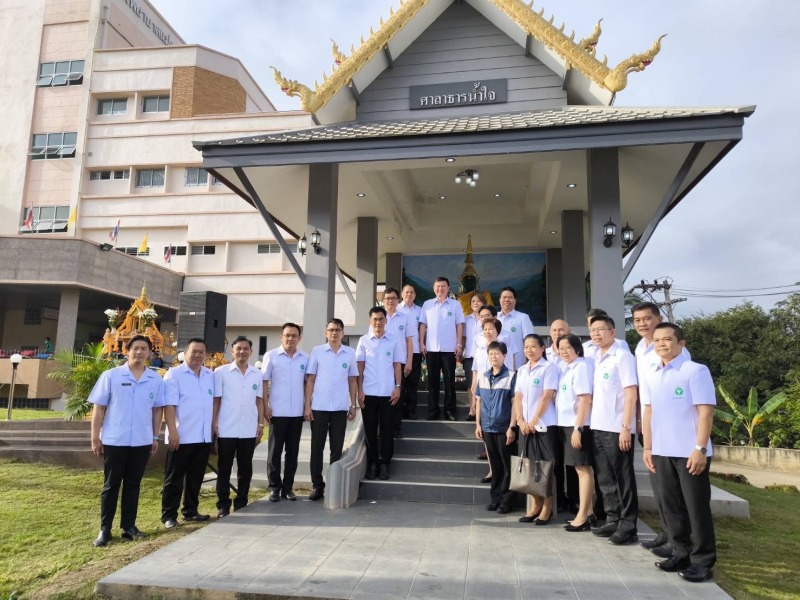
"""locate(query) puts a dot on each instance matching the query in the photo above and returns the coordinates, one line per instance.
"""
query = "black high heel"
(585, 526)
(529, 519)
(543, 521)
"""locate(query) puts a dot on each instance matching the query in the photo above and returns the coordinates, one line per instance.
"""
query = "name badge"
(126, 384)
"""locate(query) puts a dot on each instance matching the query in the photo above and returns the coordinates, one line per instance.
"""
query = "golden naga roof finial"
(291, 87)
(618, 78)
(589, 43)
(338, 55)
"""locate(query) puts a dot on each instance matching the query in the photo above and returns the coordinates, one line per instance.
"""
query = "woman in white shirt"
(574, 406)
(472, 328)
(537, 382)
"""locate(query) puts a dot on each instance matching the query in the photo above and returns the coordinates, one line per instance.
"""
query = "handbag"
(532, 476)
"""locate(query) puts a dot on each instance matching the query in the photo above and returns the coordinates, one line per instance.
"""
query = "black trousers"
(242, 449)
(284, 433)
(500, 459)
(378, 413)
(123, 466)
(467, 364)
(617, 480)
(183, 475)
(330, 425)
(686, 502)
(657, 496)
(410, 385)
(439, 362)
(397, 409)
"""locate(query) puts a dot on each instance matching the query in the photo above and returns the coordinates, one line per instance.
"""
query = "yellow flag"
(143, 245)
(73, 216)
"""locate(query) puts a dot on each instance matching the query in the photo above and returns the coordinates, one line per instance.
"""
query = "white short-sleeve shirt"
(532, 381)
(239, 393)
(193, 397)
(129, 405)
(379, 355)
(591, 352)
(480, 360)
(287, 377)
(397, 325)
(575, 381)
(516, 325)
(472, 329)
(412, 314)
(613, 372)
(647, 361)
(441, 319)
(674, 391)
(333, 371)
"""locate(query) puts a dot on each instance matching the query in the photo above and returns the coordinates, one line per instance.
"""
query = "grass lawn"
(29, 414)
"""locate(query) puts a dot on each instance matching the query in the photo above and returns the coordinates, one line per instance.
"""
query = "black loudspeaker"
(202, 315)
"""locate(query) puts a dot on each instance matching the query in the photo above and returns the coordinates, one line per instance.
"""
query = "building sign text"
(467, 93)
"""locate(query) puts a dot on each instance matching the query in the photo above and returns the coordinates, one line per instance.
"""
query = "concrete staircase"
(51, 441)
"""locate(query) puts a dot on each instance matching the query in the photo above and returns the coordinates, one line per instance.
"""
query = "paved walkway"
(758, 477)
(392, 551)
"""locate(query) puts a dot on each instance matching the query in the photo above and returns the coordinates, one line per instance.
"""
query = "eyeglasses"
(391, 298)
(334, 330)
(599, 330)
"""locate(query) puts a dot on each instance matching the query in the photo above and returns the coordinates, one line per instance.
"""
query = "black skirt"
(545, 445)
(576, 457)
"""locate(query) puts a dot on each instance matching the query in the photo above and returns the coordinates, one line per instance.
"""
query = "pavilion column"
(555, 285)
(323, 199)
(67, 318)
(366, 267)
(605, 263)
(394, 270)
(572, 268)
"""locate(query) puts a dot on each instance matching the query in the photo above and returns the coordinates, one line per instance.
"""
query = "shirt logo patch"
(344, 365)
(536, 381)
(209, 392)
(605, 375)
(564, 387)
(417, 318)
(401, 328)
(388, 353)
(302, 367)
(449, 313)
(152, 395)
(255, 387)
(679, 391)
(513, 330)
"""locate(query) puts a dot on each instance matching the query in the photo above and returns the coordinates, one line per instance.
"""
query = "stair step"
(403, 489)
(43, 442)
(46, 424)
(439, 429)
(434, 446)
(438, 466)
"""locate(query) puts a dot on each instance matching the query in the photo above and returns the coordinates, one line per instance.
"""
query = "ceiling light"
(572, 186)
(442, 197)
(450, 159)
(497, 195)
(553, 231)
(469, 175)
(360, 194)
(389, 237)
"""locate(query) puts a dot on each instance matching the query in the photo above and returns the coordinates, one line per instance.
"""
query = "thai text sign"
(467, 93)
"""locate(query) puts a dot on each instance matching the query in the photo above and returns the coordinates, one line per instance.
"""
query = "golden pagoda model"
(139, 320)
(468, 282)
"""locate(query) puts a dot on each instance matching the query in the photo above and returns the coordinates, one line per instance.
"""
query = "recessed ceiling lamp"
(389, 237)
(572, 186)
(360, 194)
(449, 159)
(553, 231)
(497, 195)
(442, 197)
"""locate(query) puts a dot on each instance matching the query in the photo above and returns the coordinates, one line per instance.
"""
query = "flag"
(73, 217)
(29, 219)
(168, 254)
(113, 235)
(143, 245)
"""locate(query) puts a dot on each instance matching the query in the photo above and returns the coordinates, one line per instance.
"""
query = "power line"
(772, 287)
(664, 287)
(694, 295)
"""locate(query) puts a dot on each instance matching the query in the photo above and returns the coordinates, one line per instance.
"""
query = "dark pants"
(467, 364)
(657, 496)
(327, 424)
(183, 475)
(378, 411)
(617, 480)
(227, 449)
(686, 501)
(397, 409)
(439, 362)
(123, 466)
(500, 460)
(284, 432)
(408, 393)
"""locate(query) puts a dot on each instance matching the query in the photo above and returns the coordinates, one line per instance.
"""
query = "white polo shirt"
(239, 393)
(532, 381)
(332, 370)
(379, 355)
(287, 377)
(516, 325)
(441, 319)
(591, 352)
(129, 405)
(193, 397)
(615, 371)
(674, 391)
(480, 359)
(555, 358)
(472, 329)
(647, 361)
(412, 314)
(397, 325)
(575, 381)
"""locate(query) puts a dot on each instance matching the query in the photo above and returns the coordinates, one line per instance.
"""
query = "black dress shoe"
(198, 518)
(623, 539)
(606, 530)
(384, 472)
(433, 416)
(289, 495)
(274, 496)
(470, 418)
(223, 512)
(398, 435)
(657, 541)
(102, 539)
(696, 573)
(673, 564)
(541, 522)
(449, 416)
(316, 494)
(492, 507)
(529, 518)
(132, 533)
(664, 551)
(487, 479)
(503, 509)
(372, 471)
(170, 523)
(585, 526)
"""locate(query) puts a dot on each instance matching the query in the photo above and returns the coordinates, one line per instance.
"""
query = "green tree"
(78, 372)
(783, 425)
(749, 416)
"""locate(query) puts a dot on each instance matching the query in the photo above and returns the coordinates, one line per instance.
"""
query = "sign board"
(465, 93)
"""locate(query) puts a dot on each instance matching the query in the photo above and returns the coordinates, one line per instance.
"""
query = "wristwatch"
(579, 428)
(702, 449)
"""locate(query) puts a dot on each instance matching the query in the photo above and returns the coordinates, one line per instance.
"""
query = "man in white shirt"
(408, 393)
(678, 414)
(188, 412)
(397, 325)
(441, 327)
(516, 325)
(613, 428)
(378, 356)
(284, 371)
(128, 403)
(238, 424)
(558, 328)
(590, 350)
(331, 399)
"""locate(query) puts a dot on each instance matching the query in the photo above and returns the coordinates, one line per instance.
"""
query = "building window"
(153, 104)
(45, 219)
(106, 175)
(53, 145)
(275, 248)
(133, 250)
(112, 106)
(64, 72)
(196, 176)
(262, 345)
(203, 250)
(176, 250)
(216, 181)
(33, 316)
(149, 178)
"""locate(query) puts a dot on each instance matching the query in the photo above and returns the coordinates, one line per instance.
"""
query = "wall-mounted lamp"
(471, 176)
(316, 239)
(627, 235)
(302, 243)
(609, 233)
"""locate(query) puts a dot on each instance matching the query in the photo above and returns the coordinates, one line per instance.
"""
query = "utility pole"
(661, 287)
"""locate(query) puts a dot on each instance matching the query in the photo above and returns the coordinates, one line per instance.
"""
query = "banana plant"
(749, 416)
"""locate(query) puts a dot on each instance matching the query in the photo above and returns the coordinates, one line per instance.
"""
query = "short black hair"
(491, 308)
(335, 321)
(377, 309)
(508, 288)
(290, 324)
(675, 328)
(652, 307)
(197, 341)
(137, 338)
(442, 278)
(242, 338)
(391, 290)
(574, 341)
(498, 324)
(603, 319)
(498, 346)
(595, 312)
(539, 340)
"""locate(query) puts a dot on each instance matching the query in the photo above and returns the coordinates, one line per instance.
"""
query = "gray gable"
(461, 46)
